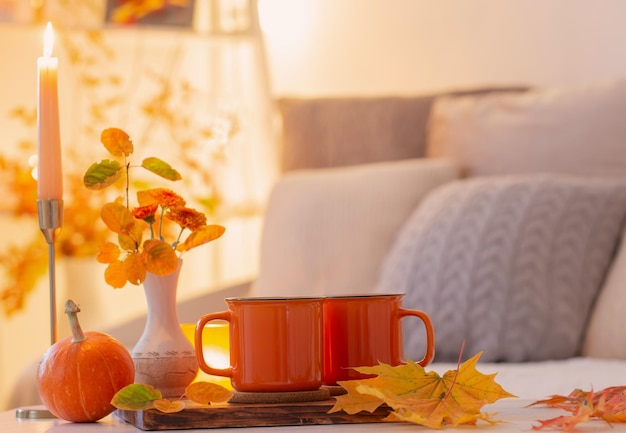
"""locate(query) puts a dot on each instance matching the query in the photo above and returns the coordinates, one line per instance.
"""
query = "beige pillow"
(606, 333)
(574, 130)
(327, 230)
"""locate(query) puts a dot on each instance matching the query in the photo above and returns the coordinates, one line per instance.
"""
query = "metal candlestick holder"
(50, 213)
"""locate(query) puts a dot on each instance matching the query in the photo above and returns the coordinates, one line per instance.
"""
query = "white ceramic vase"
(163, 356)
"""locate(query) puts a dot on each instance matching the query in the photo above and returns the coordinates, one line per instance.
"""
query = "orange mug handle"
(430, 333)
(222, 315)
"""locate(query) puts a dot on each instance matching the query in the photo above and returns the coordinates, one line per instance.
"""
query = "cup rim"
(364, 295)
(273, 298)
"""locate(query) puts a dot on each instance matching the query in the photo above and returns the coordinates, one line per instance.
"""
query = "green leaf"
(136, 396)
(102, 174)
(161, 168)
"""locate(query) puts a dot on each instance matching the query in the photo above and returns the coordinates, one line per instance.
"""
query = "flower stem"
(127, 165)
(180, 234)
(161, 224)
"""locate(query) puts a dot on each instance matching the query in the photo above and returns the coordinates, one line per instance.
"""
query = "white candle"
(49, 176)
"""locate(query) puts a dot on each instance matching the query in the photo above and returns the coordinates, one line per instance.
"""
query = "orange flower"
(187, 218)
(146, 212)
(164, 197)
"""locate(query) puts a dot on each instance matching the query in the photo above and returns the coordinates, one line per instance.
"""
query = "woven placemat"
(335, 390)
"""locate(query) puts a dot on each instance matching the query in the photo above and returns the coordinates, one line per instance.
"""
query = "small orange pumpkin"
(79, 375)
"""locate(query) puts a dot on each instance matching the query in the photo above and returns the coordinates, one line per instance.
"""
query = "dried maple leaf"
(422, 397)
(608, 405)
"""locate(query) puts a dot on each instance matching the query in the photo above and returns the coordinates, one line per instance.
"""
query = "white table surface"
(516, 417)
(529, 381)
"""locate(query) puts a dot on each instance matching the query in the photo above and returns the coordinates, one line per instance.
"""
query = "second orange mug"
(363, 330)
(275, 344)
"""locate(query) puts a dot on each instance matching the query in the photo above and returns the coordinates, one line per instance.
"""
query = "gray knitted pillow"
(511, 265)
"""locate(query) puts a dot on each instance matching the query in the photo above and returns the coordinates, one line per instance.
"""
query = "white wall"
(411, 46)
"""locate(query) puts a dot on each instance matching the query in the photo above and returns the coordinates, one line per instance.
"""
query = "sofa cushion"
(510, 265)
(332, 132)
(606, 333)
(326, 231)
(341, 131)
(577, 130)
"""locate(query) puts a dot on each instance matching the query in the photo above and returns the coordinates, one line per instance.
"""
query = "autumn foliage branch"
(133, 256)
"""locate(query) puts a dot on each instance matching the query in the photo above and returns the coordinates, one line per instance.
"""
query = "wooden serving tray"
(247, 415)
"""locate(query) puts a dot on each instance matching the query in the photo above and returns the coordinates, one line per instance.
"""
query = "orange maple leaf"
(608, 405)
(422, 397)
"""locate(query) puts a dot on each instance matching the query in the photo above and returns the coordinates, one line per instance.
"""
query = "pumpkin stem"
(77, 333)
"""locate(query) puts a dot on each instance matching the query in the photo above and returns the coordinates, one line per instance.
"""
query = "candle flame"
(48, 40)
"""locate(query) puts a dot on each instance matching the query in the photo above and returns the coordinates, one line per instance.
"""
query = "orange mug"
(363, 330)
(275, 344)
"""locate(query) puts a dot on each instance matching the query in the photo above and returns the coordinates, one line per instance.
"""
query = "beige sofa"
(497, 211)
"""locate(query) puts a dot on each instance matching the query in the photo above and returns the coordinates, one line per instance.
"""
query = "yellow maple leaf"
(422, 397)
(355, 402)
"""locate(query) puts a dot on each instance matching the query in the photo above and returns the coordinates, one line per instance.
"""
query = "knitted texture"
(510, 265)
